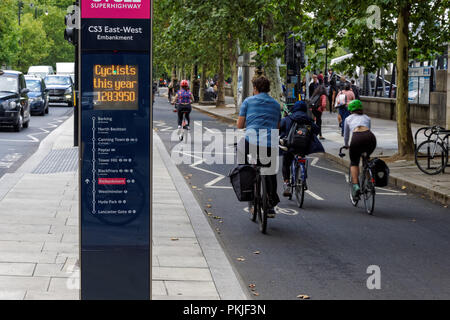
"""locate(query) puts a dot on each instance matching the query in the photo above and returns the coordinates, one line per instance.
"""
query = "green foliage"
(40, 37)
(8, 33)
(34, 44)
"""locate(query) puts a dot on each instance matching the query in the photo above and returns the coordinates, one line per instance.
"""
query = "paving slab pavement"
(39, 233)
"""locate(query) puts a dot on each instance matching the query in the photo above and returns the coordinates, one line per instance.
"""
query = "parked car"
(40, 71)
(60, 89)
(14, 106)
(38, 95)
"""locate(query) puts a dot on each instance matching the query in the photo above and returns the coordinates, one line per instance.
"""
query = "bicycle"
(299, 174)
(183, 131)
(431, 156)
(259, 206)
(367, 184)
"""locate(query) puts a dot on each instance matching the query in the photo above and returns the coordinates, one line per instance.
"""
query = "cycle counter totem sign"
(115, 168)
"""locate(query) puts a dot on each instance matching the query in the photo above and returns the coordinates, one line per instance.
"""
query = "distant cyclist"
(183, 99)
(363, 140)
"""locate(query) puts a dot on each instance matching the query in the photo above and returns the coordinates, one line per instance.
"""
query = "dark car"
(14, 106)
(38, 95)
(60, 89)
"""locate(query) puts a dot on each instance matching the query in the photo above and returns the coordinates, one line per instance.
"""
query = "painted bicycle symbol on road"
(278, 210)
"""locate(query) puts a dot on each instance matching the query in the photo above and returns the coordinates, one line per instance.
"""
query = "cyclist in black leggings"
(183, 99)
(363, 140)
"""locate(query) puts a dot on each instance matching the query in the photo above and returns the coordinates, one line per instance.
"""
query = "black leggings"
(287, 161)
(318, 115)
(364, 141)
(184, 109)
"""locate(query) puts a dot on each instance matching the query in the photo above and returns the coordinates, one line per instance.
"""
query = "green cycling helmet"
(355, 105)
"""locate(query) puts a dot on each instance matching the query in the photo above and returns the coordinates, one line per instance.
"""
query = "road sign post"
(115, 144)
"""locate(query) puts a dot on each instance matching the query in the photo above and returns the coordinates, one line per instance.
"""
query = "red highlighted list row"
(112, 181)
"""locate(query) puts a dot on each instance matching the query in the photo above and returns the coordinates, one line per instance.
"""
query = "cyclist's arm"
(240, 122)
(346, 133)
(175, 98)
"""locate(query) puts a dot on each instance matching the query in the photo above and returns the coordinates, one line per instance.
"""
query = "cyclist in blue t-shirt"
(260, 114)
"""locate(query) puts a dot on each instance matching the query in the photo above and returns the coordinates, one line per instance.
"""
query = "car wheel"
(26, 124)
(46, 110)
(19, 124)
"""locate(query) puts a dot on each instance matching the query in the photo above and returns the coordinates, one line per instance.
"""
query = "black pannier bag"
(380, 172)
(243, 179)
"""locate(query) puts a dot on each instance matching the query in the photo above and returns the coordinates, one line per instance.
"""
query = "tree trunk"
(404, 134)
(192, 77)
(273, 74)
(233, 54)
(174, 73)
(271, 69)
(202, 83)
(221, 80)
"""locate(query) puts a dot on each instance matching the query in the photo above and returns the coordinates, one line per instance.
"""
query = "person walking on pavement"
(343, 98)
(313, 85)
(298, 115)
(318, 109)
(330, 81)
(259, 115)
(363, 141)
(355, 89)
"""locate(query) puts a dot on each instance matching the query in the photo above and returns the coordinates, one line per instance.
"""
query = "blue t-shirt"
(260, 112)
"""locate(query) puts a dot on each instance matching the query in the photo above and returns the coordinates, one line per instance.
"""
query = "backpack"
(299, 138)
(380, 172)
(314, 101)
(243, 179)
(341, 100)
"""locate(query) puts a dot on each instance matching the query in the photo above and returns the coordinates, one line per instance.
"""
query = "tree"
(405, 29)
(9, 40)
(53, 25)
(35, 45)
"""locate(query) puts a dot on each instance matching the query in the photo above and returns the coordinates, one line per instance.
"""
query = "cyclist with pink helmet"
(183, 100)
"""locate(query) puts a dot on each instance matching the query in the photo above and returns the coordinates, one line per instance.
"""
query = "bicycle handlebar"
(341, 154)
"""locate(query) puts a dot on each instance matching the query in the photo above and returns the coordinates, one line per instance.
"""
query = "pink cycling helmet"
(184, 83)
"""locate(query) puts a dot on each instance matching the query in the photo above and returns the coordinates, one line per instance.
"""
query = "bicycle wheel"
(262, 211)
(368, 192)
(350, 184)
(299, 188)
(431, 157)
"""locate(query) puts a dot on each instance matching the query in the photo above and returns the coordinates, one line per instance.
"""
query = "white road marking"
(315, 196)
(7, 161)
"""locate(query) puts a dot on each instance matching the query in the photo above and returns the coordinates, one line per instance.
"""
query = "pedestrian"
(320, 78)
(318, 109)
(332, 89)
(355, 89)
(343, 98)
(313, 85)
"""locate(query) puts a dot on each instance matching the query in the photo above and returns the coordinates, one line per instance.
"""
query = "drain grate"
(62, 160)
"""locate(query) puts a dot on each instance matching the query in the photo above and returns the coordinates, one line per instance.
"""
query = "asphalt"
(17, 147)
(325, 249)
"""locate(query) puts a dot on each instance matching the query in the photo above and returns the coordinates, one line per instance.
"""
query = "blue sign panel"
(115, 159)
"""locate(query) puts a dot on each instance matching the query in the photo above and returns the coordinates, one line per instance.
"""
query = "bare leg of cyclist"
(355, 174)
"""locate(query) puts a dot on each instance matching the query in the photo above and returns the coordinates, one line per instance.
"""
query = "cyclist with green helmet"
(363, 140)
